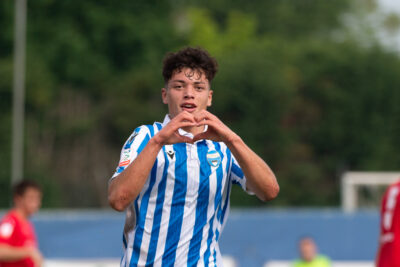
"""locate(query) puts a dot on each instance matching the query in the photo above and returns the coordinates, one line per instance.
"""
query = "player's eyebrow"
(182, 81)
(177, 81)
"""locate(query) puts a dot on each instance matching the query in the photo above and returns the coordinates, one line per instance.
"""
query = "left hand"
(216, 131)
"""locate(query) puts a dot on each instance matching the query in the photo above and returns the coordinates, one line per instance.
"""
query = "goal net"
(365, 189)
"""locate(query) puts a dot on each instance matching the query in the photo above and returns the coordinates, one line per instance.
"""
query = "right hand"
(170, 135)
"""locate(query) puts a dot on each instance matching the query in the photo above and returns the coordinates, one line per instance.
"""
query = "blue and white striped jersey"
(179, 215)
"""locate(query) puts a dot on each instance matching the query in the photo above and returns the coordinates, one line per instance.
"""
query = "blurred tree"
(6, 69)
(301, 89)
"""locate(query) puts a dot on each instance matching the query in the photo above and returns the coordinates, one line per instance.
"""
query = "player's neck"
(21, 213)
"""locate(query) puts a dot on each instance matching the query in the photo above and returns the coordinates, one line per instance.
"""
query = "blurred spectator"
(18, 244)
(389, 245)
(309, 256)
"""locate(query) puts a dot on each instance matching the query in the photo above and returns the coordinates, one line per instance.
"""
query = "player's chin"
(192, 111)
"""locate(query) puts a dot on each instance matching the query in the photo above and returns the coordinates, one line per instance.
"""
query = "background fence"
(252, 237)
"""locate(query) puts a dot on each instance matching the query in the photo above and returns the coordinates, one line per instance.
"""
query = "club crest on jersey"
(213, 158)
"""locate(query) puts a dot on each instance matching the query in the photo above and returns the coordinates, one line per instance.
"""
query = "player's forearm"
(260, 178)
(9, 253)
(124, 188)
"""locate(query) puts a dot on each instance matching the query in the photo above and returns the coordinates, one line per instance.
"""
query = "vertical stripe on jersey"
(140, 148)
(157, 213)
(177, 206)
(202, 204)
(141, 219)
(217, 204)
(169, 189)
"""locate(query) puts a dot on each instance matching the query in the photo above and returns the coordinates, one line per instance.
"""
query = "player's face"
(308, 250)
(30, 201)
(187, 90)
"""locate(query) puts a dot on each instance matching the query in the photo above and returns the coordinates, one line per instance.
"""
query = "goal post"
(351, 181)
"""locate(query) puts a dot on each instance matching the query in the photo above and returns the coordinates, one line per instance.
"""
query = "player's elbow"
(269, 193)
(116, 205)
(117, 199)
(117, 202)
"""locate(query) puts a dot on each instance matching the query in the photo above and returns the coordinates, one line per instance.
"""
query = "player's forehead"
(32, 191)
(306, 242)
(188, 75)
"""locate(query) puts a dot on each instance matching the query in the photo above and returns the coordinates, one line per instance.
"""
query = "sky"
(389, 39)
(390, 5)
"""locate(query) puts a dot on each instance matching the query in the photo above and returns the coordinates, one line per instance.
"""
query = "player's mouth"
(189, 107)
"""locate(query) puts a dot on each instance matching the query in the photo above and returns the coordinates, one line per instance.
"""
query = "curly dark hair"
(189, 57)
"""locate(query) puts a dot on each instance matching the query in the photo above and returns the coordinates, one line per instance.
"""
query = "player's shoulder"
(149, 128)
(10, 217)
(396, 184)
(394, 187)
(8, 223)
(142, 132)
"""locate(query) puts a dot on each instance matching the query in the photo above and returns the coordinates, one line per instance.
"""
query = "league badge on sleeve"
(130, 141)
(213, 158)
(6, 229)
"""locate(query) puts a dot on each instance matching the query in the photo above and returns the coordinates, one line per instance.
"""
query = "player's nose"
(189, 92)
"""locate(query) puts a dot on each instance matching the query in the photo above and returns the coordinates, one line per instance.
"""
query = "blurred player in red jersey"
(389, 241)
(18, 244)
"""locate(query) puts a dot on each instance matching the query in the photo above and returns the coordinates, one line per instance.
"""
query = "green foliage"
(311, 104)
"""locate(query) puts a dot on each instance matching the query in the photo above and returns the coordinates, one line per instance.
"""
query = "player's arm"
(11, 254)
(125, 187)
(260, 178)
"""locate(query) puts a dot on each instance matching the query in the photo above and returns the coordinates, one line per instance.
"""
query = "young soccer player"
(18, 244)
(174, 178)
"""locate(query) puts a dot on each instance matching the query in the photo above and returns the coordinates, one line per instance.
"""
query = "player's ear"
(164, 95)
(209, 101)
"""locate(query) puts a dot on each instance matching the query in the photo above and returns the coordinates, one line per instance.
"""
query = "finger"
(182, 118)
(184, 124)
(210, 123)
(204, 114)
(184, 115)
(179, 124)
(201, 117)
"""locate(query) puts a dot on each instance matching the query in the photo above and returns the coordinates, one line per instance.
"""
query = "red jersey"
(18, 232)
(389, 240)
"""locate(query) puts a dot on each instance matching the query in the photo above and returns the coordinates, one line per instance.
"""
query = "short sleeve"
(237, 176)
(132, 148)
(7, 229)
